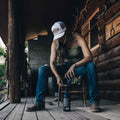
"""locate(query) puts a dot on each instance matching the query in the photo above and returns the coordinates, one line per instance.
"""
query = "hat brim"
(58, 36)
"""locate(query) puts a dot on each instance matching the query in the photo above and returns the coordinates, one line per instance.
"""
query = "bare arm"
(86, 51)
(52, 63)
(87, 56)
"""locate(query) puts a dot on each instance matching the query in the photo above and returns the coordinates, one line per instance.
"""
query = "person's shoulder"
(54, 44)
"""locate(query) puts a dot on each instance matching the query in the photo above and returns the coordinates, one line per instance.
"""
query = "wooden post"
(13, 40)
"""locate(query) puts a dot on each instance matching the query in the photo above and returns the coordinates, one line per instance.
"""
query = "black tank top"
(73, 54)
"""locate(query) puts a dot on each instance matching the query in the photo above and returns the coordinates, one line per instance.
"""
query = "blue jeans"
(89, 70)
(55, 86)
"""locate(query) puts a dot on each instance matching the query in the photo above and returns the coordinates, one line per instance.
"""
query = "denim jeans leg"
(79, 71)
(94, 94)
(43, 74)
(55, 86)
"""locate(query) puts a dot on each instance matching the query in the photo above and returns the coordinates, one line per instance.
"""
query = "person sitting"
(74, 58)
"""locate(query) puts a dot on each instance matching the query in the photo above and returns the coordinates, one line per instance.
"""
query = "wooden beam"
(106, 45)
(114, 52)
(113, 42)
(108, 64)
(109, 85)
(109, 75)
(13, 40)
(110, 94)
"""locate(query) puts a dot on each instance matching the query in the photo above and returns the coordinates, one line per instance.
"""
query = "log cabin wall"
(106, 53)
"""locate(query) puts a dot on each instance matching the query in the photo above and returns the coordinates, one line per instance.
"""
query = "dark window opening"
(93, 32)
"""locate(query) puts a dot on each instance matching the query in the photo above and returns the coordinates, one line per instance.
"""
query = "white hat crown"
(58, 29)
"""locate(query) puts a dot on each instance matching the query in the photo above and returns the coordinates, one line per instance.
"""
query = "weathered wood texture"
(109, 84)
(112, 27)
(27, 115)
(109, 44)
(14, 76)
(6, 111)
(110, 111)
(17, 112)
(111, 94)
(16, 48)
(109, 75)
(107, 54)
(108, 68)
(3, 105)
(111, 64)
(91, 7)
(113, 42)
(108, 14)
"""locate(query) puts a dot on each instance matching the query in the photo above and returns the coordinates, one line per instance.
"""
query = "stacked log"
(16, 49)
(106, 55)
(108, 61)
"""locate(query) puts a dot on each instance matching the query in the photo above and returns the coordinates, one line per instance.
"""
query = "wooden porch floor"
(110, 111)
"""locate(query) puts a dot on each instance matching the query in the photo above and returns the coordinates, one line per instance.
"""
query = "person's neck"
(69, 44)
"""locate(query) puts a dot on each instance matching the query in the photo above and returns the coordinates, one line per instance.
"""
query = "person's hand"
(70, 73)
(59, 81)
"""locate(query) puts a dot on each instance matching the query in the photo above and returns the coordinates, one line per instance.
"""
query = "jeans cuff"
(56, 94)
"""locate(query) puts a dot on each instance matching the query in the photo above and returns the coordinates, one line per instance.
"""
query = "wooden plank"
(110, 94)
(17, 113)
(109, 75)
(111, 109)
(109, 84)
(74, 116)
(114, 41)
(114, 52)
(109, 14)
(29, 115)
(112, 11)
(14, 62)
(78, 112)
(55, 112)
(109, 44)
(86, 112)
(58, 115)
(71, 115)
(44, 115)
(4, 104)
(113, 25)
(6, 111)
(77, 108)
(108, 64)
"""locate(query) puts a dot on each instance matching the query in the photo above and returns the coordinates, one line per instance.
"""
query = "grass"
(2, 52)
(2, 75)
(2, 83)
(3, 91)
(2, 70)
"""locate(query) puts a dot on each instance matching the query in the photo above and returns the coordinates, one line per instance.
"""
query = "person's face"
(62, 39)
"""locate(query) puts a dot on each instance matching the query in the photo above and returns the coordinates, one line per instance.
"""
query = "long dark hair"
(61, 49)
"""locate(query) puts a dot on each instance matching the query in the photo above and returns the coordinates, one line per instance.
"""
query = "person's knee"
(90, 65)
(43, 69)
